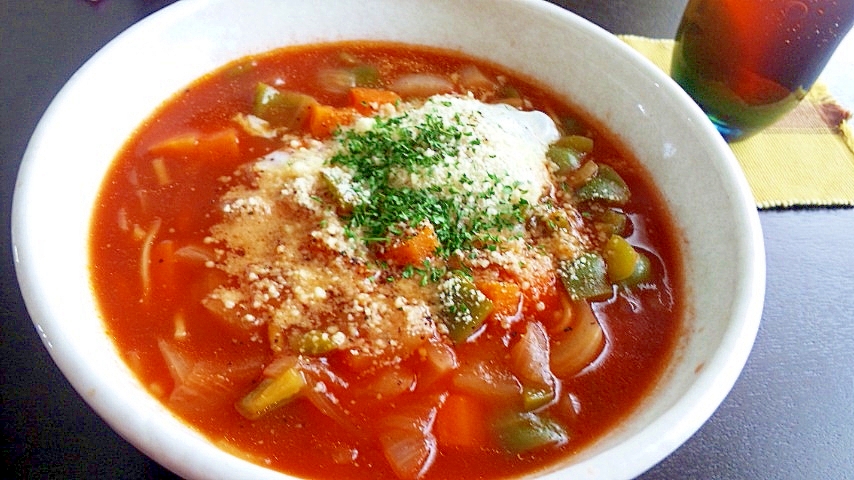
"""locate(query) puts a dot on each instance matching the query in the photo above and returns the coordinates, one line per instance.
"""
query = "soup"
(374, 260)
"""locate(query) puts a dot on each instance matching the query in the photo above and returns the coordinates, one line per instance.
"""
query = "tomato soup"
(371, 260)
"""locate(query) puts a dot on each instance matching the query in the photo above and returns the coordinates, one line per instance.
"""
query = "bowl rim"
(688, 414)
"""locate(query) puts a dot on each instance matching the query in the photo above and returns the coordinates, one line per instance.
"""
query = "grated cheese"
(299, 265)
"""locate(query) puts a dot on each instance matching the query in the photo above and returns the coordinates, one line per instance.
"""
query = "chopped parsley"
(398, 163)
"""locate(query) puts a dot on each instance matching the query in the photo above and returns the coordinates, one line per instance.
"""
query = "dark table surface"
(789, 416)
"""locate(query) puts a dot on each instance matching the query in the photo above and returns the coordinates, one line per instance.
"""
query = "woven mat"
(805, 159)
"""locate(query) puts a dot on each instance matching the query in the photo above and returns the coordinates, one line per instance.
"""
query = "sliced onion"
(391, 382)
(483, 380)
(337, 80)
(407, 438)
(279, 365)
(580, 345)
(585, 172)
(197, 254)
(570, 407)
(145, 257)
(321, 385)
(122, 219)
(439, 361)
(204, 384)
(421, 85)
(180, 324)
(529, 361)
(176, 362)
(409, 452)
(530, 357)
(472, 79)
(562, 316)
(217, 307)
(440, 356)
(161, 172)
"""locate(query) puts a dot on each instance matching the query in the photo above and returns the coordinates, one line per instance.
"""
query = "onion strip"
(145, 257)
(580, 346)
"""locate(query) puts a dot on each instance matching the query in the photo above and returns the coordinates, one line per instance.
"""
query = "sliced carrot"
(414, 249)
(219, 146)
(176, 146)
(461, 422)
(366, 100)
(539, 288)
(324, 119)
(506, 298)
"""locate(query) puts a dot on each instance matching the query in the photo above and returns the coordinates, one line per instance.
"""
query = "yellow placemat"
(805, 159)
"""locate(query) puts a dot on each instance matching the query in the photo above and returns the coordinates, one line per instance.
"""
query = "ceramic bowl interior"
(95, 113)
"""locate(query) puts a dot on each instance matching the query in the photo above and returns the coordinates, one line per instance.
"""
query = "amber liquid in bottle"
(749, 62)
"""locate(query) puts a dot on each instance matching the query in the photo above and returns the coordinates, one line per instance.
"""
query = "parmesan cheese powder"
(298, 236)
(497, 142)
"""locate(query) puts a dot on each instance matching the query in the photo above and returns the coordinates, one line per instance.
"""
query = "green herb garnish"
(383, 162)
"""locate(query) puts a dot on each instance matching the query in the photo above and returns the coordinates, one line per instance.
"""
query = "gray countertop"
(789, 416)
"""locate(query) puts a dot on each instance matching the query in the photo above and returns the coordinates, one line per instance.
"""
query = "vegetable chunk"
(271, 393)
(466, 307)
(585, 277)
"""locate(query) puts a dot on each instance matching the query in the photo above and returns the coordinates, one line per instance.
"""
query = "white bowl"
(95, 113)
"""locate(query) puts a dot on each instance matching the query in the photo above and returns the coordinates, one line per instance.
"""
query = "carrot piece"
(460, 422)
(413, 250)
(324, 119)
(538, 288)
(506, 298)
(175, 146)
(222, 145)
(365, 100)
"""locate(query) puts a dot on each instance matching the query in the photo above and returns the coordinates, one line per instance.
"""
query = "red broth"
(153, 273)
